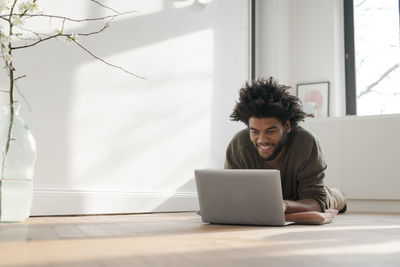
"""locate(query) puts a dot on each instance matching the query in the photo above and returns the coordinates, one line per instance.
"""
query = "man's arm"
(307, 204)
(307, 211)
(310, 175)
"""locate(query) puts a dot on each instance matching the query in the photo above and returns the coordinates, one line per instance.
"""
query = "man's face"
(268, 135)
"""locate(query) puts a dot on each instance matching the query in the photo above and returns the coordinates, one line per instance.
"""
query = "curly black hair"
(265, 98)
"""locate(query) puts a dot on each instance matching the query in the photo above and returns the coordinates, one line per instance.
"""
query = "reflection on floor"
(181, 239)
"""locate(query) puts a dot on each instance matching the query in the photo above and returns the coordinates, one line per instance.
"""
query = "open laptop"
(247, 197)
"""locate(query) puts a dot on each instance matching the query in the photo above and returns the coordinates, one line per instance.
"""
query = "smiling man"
(274, 140)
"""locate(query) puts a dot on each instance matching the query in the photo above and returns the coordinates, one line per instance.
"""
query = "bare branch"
(67, 35)
(9, 19)
(70, 19)
(383, 76)
(20, 77)
(33, 32)
(360, 4)
(35, 43)
(360, 64)
(63, 24)
(26, 11)
(376, 9)
(102, 60)
(25, 39)
(106, 25)
(22, 95)
(106, 7)
(12, 8)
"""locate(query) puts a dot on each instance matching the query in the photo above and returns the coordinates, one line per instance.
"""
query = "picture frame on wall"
(315, 98)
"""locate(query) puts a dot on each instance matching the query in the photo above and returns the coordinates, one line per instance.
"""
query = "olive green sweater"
(302, 166)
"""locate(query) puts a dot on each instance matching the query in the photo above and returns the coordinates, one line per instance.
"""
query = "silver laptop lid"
(250, 197)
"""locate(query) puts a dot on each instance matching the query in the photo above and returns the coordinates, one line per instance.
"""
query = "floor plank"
(181, 239)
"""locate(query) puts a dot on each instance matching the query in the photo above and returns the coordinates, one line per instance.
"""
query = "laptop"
(239, 196)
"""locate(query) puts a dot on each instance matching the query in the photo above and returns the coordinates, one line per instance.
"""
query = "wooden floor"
(181, 239)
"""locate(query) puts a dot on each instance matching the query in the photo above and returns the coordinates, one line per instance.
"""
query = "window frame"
(349, 58)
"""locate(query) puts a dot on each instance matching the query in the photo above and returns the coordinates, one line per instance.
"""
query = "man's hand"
(307, 211)
(307, 204)
(311, 217)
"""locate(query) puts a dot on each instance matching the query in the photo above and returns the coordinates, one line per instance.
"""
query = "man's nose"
(264, 138)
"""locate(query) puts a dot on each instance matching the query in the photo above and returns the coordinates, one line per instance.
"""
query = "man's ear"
(288, 126)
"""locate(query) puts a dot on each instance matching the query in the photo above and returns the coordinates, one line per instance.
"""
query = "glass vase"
(18, 154)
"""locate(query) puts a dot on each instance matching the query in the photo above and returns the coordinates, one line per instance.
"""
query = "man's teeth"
(265, 147)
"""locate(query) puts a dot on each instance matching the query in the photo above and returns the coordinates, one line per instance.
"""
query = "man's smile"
(265, 147)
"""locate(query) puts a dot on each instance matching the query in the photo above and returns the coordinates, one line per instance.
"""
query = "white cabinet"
(362, 155)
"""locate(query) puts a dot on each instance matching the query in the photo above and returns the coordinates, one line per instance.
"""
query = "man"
(274, 140)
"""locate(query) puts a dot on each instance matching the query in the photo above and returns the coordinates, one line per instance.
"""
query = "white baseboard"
(68, 202)
(362, 205)
(74, 202)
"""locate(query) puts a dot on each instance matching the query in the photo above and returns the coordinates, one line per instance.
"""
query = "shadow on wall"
(183, 200)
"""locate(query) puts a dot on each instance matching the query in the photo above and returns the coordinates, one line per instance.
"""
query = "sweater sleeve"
(311, 175)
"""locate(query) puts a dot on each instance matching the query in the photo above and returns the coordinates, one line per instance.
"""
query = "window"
(372, 56)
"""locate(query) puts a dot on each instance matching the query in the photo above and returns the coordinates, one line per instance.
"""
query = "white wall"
(273, 39)
(301, 41)
(110, 142)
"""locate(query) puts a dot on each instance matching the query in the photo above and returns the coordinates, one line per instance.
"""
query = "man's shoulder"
(241, 135)
(300, 134)
(303, 141)
(241, 140)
